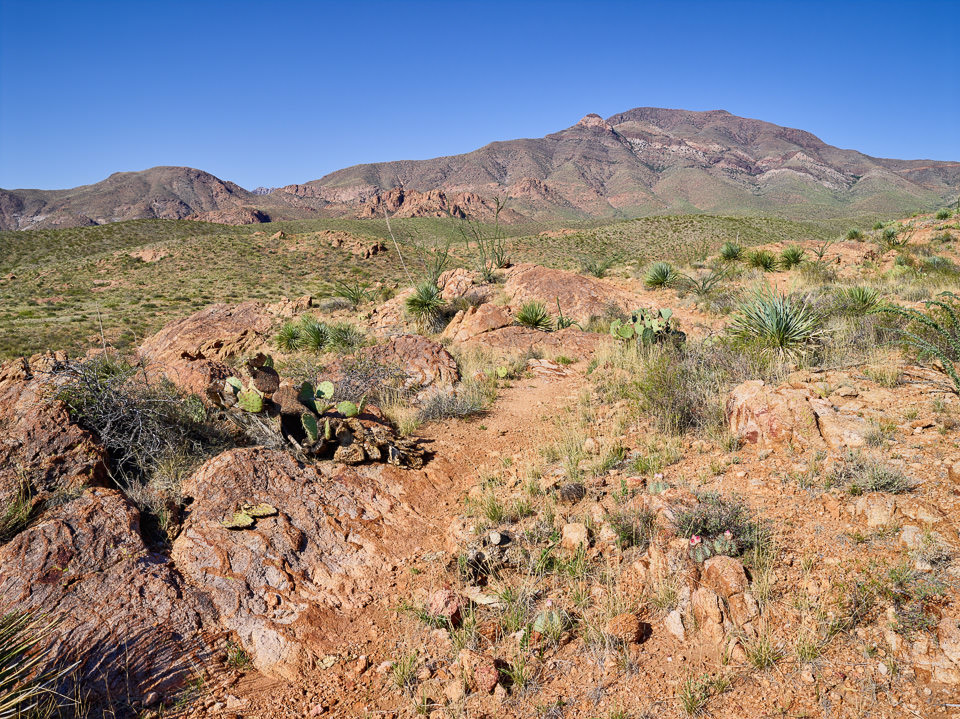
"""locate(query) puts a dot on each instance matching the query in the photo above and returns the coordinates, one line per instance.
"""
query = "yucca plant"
(659, 275)
(562, 321)
(762, 260)
(313, 335)
(859, 299)
(288, 337)
(878, 226)
(534, 315)
(730, 251)
(356, 292)
(791, 256)
(344, 337)
(941, 322)
(943, 214)
(890, 239)
(777, 324)
(24, 649)
(425, 305)
(854, 234)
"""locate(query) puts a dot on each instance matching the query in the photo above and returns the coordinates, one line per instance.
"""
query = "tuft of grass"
(345, 337)
(355, 292)
(596, 266)
(404, 671)
(762, 260)
(534, 315)
(16, 514)
(762, 652)
(634, 528)
(467, 401)
(25, 683)
(777, 323)
(860, 473)
(660, 275)
(943, 214)
(858, 300)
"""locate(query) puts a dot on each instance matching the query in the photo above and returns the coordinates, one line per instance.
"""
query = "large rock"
(191, 351)
(515, 339)
(791, 414)
(724, 575)
(39, 443)
(324, 552)
(466, 325)
(580, 297)
(122, 611)
(425, 362)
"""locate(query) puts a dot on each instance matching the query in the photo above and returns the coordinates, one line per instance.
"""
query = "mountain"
(652, 160)
(641, 162)
(164, 192)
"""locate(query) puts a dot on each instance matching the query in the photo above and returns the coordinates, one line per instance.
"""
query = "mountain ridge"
(642, 161)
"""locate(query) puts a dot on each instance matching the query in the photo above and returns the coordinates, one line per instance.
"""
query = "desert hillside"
(668, 467)
(646, 161)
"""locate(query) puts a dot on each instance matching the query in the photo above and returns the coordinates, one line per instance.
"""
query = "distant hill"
(641, 162)
(172, 193)
(651, 160)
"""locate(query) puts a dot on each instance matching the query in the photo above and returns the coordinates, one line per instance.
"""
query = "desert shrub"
(859, 299)
(659, 275)
(854, 234)
(596, 266)
(933, 334)
(730, 251)
(943, 214)
(425, 305)
(715, 517)
(363, 377)
(777, 323)
(939, 265)
(791, 256)
(312, 335)
(144, 424)
(859, 473)
(877, 225)
(942, 238)
(762, 260)
(345, 337)
(890, 239)
(534, 315)
(440, 404)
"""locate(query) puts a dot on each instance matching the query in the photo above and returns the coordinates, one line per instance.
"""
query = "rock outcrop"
(473, 322)
(580, 297)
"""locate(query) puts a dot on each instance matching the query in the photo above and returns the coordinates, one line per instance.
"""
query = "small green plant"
(943, 214)
(695, 692)
(858, 300)
(534, 315)
(777, 323)
(791, 256)
(703, 284)
(762, 652)
(890, 239)
(596, 266)
(237, 657)
(762, 260)
(860, 473)
(730, 251)
(854, 234)
(648, 326)
(425, 305)
(15, 516)
(345, 337)
(404, 671)
(718, 526)
(288, 337)
(313, 335)
(660, 275)
(634, 528)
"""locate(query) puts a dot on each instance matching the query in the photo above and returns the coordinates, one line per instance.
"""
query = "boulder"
(191, 351)
(455, 283)
(514, 339)
(323, 553)
(474, 321)
(724, 575)
(768, 416)
(839, 430)
(124, 613)
(425, 362)
(580, 297)
(574, 536)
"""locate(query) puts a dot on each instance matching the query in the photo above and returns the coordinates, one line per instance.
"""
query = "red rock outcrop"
(580, 297)
(275, 585)
(473, 322)
(425, 362)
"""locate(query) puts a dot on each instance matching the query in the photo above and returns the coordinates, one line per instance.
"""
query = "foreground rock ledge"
(280, 584)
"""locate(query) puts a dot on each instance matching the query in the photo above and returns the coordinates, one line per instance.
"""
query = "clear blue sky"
(271, 93)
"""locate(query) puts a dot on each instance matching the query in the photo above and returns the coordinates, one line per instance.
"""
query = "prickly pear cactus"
(250, 401)
(348, 409)
(310, 427)
(325, 390)
(647, 326)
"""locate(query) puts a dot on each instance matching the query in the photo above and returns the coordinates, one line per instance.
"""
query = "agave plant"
(943, 332)
(425, 305)
(24, 650)
(730, 251)
(791, 256)
(660, 274)
(762, 260)
(777, 323)
(534, 315)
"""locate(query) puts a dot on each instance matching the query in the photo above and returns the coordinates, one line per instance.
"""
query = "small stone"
(590, 445)
(572, 492)
(317, 710)
(151, 699)
(454, 691)
(953, 474)
(806, 675)
(446, 604)
(494, 538)
(673, 623)
(573, 536)
(882, 669)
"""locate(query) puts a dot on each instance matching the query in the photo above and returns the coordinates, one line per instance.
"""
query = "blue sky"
(271, 93)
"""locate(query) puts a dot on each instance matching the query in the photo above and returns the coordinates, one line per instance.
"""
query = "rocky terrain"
(635, 163)
(727, 487)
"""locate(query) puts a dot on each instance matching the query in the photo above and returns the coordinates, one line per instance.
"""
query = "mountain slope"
(655, 160)
(160, 192)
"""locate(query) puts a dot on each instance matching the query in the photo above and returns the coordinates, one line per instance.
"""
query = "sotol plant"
(762, 260)
(777, 323)
(425, 304)
(791, 256)
(534, 315)
(659, 275)
(730, 251)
